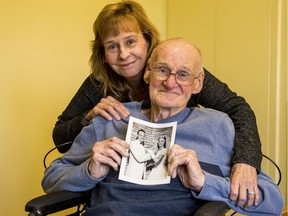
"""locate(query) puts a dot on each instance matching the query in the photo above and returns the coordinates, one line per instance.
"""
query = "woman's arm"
(247, 156)
(138, 152)
(217, 95)
(72, 120)
(88, 102)
(156, 157)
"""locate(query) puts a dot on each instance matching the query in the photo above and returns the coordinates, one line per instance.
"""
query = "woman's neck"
(138, 87)
(138, 94)
(136, 82)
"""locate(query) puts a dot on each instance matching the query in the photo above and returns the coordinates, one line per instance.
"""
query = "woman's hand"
(108, 108)
(243, 188)
(106, 155)
(184, 163)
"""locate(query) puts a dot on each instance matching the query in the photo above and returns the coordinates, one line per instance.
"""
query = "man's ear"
(198, 83)
(147, 75)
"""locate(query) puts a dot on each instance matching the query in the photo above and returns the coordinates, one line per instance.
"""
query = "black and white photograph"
(149, 144)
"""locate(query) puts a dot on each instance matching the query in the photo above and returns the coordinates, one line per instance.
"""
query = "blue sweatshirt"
(210, 133)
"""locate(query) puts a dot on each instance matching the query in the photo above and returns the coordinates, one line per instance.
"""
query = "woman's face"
(161, 142)
(126, 53)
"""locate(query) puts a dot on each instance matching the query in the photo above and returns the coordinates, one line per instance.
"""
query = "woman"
(124, 39)
(120, 77)
(159, 171)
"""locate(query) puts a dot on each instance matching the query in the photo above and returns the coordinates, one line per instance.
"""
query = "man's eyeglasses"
(182, 77)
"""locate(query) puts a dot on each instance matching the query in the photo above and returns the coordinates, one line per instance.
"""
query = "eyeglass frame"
(163, 78)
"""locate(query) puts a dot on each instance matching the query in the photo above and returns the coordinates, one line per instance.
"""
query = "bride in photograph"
(159, 171)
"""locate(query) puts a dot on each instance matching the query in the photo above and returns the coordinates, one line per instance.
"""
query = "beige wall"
(44, 53)
(244, 43)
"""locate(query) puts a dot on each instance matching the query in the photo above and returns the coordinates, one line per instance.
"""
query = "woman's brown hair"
(124, 16)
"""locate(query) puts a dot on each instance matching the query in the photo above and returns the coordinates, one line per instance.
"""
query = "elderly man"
(203, 136)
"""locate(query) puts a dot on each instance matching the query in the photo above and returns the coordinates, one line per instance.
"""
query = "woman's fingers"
(109, 108)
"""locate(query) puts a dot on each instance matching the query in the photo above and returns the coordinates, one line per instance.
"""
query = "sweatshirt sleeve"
(70, 172)
(217, 188)
(217, 95)
(217, 185)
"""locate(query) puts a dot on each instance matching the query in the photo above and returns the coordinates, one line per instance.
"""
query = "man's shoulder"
(212, 115)
(210, 112)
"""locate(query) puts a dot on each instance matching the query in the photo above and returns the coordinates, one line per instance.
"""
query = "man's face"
(141, 136)
(170, 93)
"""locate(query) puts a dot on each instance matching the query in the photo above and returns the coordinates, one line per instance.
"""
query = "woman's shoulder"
(91, 83)
(90, 89)
(210, 115)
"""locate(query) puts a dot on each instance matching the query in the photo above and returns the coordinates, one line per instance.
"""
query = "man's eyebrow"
(161, 64)
(185, 68)
(182, 67)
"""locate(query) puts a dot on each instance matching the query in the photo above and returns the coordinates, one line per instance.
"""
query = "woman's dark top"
(215, 94)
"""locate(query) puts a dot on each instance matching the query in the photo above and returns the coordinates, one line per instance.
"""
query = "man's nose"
(171, 80)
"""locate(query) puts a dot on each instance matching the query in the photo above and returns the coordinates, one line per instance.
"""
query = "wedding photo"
(149, 144)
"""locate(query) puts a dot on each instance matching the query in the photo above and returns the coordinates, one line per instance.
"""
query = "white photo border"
(134, 125)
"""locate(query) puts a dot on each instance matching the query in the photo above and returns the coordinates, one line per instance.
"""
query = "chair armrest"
(57, 201)
(212, 209)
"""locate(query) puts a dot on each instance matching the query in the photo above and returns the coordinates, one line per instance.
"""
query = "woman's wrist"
(85, 120)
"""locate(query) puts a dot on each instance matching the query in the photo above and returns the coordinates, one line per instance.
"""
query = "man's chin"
(167, 103)
(166, 100)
